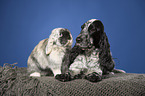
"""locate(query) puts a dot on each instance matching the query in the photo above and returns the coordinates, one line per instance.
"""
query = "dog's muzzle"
(84, 41)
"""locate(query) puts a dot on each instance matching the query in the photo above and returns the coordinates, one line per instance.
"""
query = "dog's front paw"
(63, 77)
(93, 77)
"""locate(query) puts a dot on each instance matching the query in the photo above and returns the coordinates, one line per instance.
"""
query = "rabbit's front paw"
(35, 74)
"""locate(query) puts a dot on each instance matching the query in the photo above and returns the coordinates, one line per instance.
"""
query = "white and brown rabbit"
(46, 58)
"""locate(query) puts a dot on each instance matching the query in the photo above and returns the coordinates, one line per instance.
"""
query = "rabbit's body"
(46, 58)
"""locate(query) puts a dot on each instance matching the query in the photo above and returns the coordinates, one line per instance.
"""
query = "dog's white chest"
(87, 62)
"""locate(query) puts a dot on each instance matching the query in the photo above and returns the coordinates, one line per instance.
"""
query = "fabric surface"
(15, 82)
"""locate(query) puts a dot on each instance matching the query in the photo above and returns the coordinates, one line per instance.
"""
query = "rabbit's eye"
(54, 43)
(61, 35)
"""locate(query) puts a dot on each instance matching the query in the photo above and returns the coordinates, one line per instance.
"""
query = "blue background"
(23, 23)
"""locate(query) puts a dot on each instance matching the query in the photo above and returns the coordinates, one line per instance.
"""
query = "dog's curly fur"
(91, 39)
(47, 56)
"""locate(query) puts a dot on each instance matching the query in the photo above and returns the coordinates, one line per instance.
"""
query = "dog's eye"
(78, 39)
(91, 28)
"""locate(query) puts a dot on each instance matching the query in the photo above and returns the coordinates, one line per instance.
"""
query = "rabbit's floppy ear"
(49, 46)
(52, 38)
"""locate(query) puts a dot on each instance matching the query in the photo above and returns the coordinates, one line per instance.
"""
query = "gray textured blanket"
(16, 82)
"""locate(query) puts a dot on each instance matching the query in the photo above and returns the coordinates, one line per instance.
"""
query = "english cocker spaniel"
(46, 58)
(90, 58)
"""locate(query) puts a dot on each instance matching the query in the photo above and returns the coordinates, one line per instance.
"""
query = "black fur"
(65, 36)
(84, 44)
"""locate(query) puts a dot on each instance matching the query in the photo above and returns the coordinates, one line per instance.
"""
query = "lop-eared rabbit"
(46, 58)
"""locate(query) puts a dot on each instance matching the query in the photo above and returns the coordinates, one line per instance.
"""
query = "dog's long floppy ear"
(51, 40)
(106, 59)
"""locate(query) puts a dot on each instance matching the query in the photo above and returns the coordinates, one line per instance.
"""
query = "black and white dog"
(90, 58)
(46, 58)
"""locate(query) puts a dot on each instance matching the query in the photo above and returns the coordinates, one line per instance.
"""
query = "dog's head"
(90, 34)
(60, 37)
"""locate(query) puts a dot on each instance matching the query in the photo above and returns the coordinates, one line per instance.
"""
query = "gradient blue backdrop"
(23, 23)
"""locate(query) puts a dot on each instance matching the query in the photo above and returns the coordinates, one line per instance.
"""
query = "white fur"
(55, 59)
(35, 74)
(88, 63)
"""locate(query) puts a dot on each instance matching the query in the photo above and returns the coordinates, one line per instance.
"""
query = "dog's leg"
(63, 77)
(93, 77)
